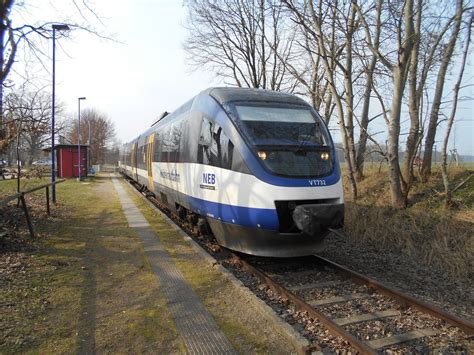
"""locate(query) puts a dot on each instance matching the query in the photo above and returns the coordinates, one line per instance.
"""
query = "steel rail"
(301, 305)
(425, 307)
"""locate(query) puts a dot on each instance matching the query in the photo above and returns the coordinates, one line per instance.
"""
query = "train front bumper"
(313, 219)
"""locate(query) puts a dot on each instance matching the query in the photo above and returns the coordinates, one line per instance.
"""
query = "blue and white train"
(258, 166)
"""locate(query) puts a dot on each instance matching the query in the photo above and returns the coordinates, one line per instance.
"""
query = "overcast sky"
(145, 73)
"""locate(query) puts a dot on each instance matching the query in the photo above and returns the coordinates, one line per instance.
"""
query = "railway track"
(370, 316)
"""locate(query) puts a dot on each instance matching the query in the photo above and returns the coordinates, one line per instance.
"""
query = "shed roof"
(58, 146)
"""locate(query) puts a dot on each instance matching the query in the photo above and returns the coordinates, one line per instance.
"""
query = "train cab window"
(214, 148)
(295, 141)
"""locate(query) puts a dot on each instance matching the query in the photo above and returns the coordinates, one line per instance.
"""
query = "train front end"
(293, 193)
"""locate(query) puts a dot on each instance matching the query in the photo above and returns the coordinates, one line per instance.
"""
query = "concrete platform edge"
(282, 328)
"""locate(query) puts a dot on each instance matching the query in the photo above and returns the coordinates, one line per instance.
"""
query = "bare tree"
(306, 66)
(457, 87)
(13, 35)
(364, 116)
(244, 41)
(399, 70)
(34, 111)
(8, 48)
(435, 107)
(97, 130)
(430, 38)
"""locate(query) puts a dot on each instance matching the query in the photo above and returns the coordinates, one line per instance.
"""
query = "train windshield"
(289, 141)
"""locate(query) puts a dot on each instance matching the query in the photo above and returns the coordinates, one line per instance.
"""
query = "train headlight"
(262, 155)
(325, 156)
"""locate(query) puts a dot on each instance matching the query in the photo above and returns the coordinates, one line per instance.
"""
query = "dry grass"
(425, 231)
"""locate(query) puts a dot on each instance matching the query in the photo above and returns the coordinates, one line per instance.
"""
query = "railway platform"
(196, 325)
(200, 332)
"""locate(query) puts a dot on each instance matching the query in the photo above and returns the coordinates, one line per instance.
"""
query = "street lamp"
(79, 136)
(53, 109)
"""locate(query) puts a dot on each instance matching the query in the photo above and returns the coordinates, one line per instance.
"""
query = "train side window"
(166, 145)
(227, 151)
(205, 140)
(206, 133)
(214, 148)
(158, 140)
(175, 137)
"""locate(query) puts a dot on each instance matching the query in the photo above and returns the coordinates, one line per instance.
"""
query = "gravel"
(404, 273)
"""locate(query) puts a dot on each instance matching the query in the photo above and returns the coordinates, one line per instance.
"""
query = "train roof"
(229, 94)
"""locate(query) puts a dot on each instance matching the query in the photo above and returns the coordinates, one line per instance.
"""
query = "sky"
(143, 71)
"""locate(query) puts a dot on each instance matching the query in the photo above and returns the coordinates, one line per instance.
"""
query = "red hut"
(67, 160)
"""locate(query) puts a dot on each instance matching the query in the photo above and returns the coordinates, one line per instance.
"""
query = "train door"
(133, 161)
(149, 161)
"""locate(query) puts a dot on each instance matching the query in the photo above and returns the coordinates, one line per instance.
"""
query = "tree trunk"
(349, 123)
(433, 122)
(5, 8)
(364, 119)
(457, 86)
(364, 123)
(413, 104)
(398, 200)
(399, 71)
(345, 133)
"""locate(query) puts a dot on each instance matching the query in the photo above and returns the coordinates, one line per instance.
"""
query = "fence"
(21, 199)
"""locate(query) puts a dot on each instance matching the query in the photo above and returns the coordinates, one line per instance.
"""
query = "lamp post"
(79, 136)
(53, 109)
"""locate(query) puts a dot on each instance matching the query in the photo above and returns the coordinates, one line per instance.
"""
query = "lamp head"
(81, 98)
(61, 27)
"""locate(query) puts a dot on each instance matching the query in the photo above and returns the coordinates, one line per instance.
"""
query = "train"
(256, 167)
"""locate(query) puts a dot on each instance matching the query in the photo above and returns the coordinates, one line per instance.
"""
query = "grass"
(425, 231)
(9, 187)
(87, 286)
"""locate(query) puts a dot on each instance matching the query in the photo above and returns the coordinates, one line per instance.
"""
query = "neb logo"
(209, 179)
